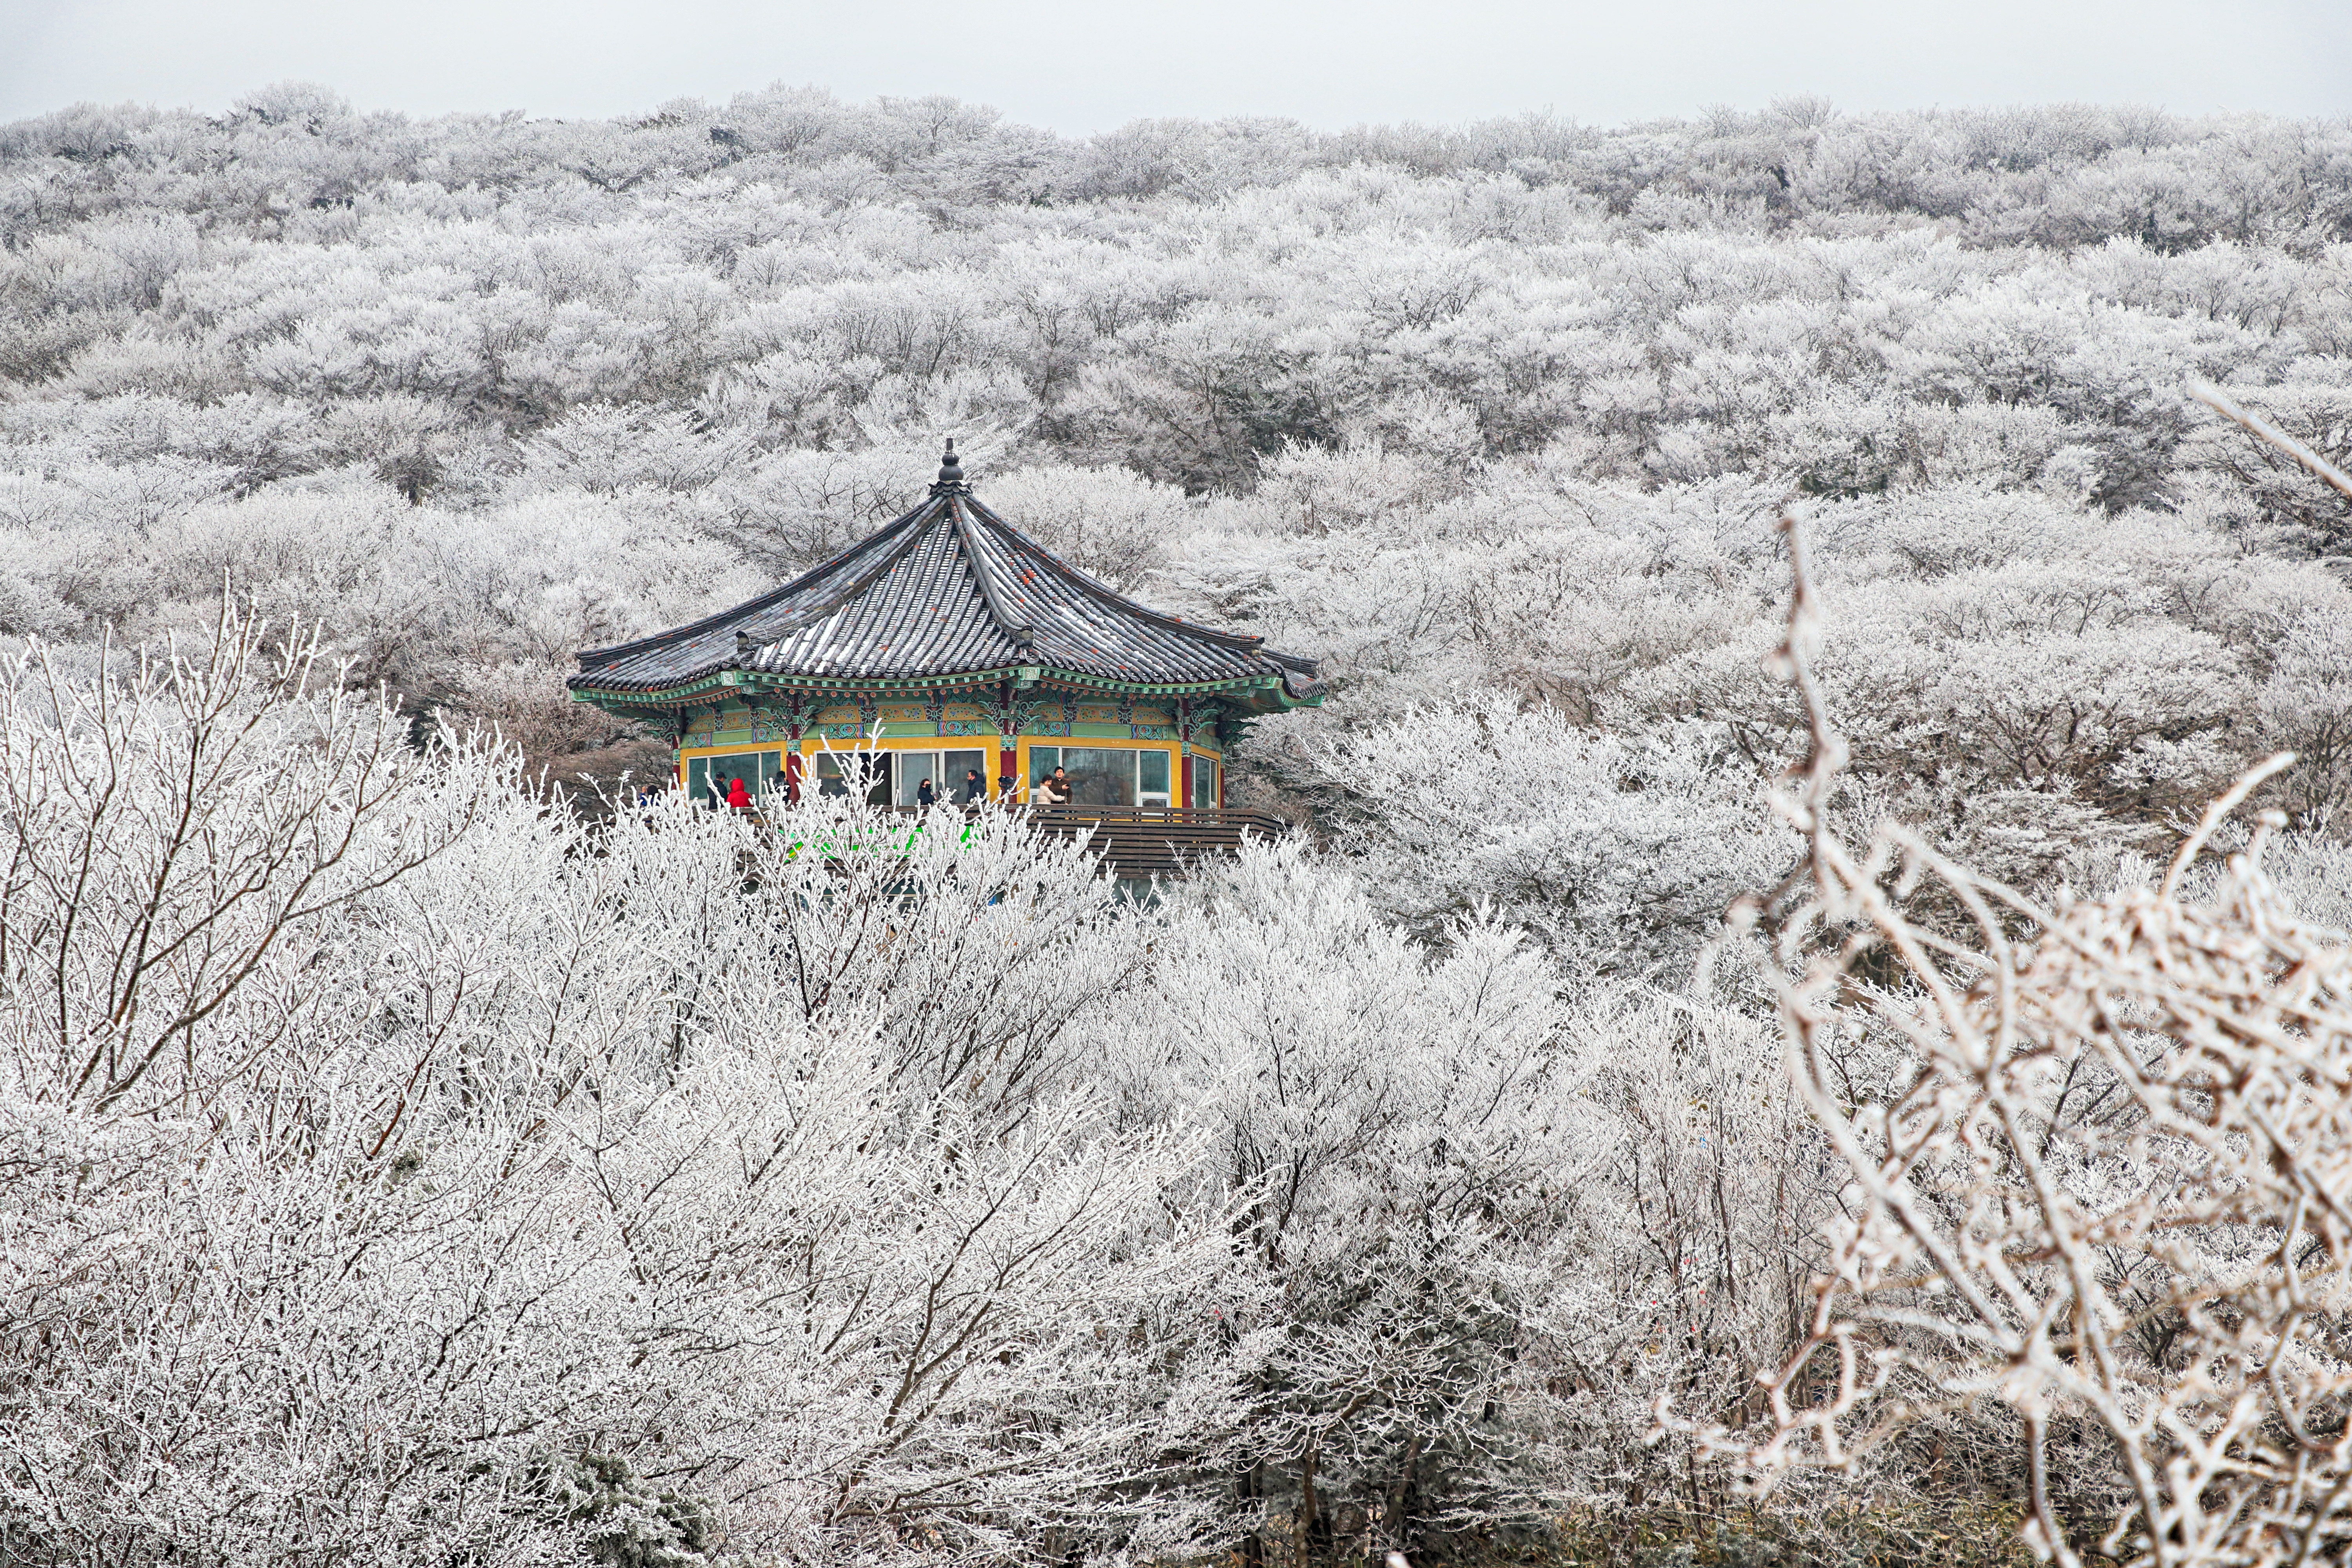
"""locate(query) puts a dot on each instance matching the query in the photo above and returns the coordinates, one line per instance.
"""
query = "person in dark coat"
(924, 794)
(1053, 789)
(975, 788)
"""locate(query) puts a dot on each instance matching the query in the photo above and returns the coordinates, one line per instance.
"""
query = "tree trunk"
(1396, 1522)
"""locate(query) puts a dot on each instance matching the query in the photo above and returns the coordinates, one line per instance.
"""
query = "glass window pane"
(722, 769)
(1151, 775)
(865, 774)
(1204, 783)
(1043, 760)
(914, 769)
(953, 766)
(1100, 775)
(712, 778)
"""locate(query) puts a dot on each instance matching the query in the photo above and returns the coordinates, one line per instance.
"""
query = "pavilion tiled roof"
(949, 590)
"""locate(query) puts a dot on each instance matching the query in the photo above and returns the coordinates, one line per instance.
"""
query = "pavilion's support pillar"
(1184, 753)
(1008, 744)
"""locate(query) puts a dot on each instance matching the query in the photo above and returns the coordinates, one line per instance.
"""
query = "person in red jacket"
(737, 795)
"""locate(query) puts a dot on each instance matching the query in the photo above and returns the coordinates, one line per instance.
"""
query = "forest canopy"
(1497, 412)
(404, 1158)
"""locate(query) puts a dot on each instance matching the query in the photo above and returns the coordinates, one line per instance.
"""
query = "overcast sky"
(1080, 65)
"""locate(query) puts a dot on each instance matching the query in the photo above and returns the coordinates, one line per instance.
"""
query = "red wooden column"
(1184, 753)
(796, 718)
(1008, 755)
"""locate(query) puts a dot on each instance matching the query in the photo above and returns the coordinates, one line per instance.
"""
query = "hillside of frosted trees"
(406, 1159)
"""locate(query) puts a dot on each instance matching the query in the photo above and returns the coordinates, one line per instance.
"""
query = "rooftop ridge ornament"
(950, 479)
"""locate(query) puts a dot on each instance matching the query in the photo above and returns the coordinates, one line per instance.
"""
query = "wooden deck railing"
(1137, 840)
(1151, 841)
(1156, 841)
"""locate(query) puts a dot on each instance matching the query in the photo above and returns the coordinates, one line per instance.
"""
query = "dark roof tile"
(949, 589)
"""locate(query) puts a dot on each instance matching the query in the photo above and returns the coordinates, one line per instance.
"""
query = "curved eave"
(1273, 690)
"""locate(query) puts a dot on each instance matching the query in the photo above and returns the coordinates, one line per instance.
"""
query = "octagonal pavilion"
(945, 644)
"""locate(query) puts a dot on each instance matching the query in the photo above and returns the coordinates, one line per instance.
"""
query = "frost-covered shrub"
(399, 1164)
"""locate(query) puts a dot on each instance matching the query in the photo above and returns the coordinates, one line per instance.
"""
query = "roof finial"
(951, 471)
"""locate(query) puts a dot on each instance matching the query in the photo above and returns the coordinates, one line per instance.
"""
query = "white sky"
(1080, 65)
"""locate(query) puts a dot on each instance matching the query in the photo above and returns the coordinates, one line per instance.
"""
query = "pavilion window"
(864, 773)
(1105, 775)
(709, 776)
(1204, 782)
(1100, 775)
(944, 769)
(954, 765)
(1151, 778)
